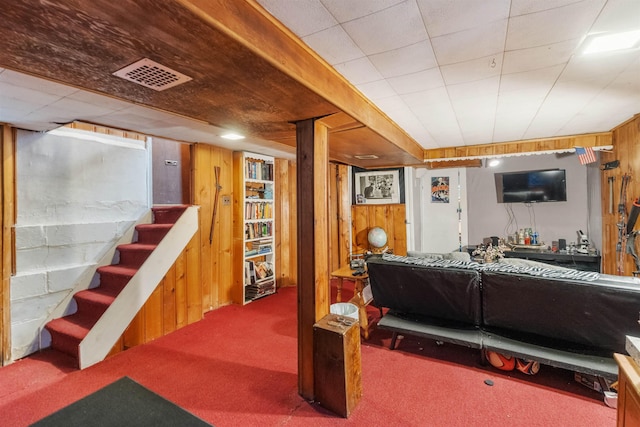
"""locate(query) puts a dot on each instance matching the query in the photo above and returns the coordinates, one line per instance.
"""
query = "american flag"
(586, 155)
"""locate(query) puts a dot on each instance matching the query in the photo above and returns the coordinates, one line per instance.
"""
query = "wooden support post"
(7, 267)
(312, 241)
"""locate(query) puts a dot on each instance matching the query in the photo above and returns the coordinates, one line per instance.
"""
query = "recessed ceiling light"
(366, 157)
(599, 43)
(493, 163)
(232, 136)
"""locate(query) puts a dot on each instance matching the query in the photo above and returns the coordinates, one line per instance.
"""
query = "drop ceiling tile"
(469, 71)
(35, 83)
(301, 17)
(393, 106)
(446, 16)
(344, 11)
(334, 45)
(27, 95)
(477, 42)
(376, 90)
(535, 58)
(536, 83)
(481, 89)
(102, 100)
(359, 71)
(552, 26)
(437, 97)
(509, 133)
(605, 68)
(35, 126)
(146, 113)
(405, 60)
(416, 82)
(398, 26)
(618, 16)
(525, 7)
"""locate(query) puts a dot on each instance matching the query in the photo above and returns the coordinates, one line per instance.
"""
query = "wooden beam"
(312, 238)
(471, 163)
(500, 149)
(252, 26)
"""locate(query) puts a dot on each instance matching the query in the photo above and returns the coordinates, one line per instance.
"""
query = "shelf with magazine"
(254, 230)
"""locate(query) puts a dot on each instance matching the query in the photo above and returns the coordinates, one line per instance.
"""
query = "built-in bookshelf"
(254, 227)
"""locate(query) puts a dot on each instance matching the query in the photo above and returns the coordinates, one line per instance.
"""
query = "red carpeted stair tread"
(134, 254)
(117, 269)
(136, 247)
(152, 233)
(98, 299)
(167, 214)
(74, 326)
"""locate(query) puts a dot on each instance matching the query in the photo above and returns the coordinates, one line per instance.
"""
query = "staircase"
(69, 331)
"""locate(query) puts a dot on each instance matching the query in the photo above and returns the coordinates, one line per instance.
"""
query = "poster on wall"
(378, 187)
(440, 189)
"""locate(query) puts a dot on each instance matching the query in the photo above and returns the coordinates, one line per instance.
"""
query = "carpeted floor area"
(238, 367)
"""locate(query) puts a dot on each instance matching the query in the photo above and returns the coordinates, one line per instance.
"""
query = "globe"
(377, 237)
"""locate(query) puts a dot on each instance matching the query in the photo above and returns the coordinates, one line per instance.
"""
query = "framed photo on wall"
(378, 187)
(439, 189)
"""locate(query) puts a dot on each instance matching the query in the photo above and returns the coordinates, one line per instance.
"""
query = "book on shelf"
(263, 270)
(258, 169)
(249, 272)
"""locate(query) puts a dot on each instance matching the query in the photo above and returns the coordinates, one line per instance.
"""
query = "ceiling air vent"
(366, 157)
(152, 75)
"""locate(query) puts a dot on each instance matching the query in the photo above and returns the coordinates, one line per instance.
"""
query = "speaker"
(562, 244)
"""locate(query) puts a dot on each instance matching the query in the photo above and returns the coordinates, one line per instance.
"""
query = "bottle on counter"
(534, 238)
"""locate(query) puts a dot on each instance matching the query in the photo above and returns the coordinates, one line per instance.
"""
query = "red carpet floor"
(238, 367)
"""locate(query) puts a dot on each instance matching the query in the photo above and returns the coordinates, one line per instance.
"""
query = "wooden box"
(337, 364)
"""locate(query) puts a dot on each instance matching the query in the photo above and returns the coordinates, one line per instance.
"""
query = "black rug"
(122, 403)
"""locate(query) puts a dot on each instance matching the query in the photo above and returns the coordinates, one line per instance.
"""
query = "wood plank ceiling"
(248, 72)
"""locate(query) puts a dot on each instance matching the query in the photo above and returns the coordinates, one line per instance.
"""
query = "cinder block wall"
(75, 199)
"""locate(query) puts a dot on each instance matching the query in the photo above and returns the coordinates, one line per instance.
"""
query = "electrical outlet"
(226, 200)
(171, 162)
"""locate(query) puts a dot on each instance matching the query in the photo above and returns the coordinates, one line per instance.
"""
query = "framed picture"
(439, 189)
(377, 187)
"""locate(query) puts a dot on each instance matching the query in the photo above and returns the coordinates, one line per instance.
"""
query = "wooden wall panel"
(286, 223)
(626, 149)
(340, 216)
(390, 217)
(514, 147)
(216, 256)
(344, 215)
(169, 301)
(334, 242)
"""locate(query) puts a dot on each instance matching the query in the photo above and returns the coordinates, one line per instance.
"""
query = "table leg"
(358, 300)
(339, 293)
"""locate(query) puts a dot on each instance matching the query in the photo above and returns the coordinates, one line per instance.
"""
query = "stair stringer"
(108, 329)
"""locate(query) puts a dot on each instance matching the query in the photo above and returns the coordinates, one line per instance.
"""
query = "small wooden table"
(358, 299)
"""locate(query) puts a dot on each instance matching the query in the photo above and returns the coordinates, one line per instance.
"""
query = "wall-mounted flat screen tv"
(531, 186)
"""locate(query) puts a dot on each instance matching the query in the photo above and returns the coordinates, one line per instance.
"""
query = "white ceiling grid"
(475, 72)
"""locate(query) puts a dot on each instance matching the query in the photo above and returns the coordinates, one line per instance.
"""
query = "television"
(535, 186)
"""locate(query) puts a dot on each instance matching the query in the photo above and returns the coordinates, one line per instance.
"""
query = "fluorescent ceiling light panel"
(232, 136)
(599, 43)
